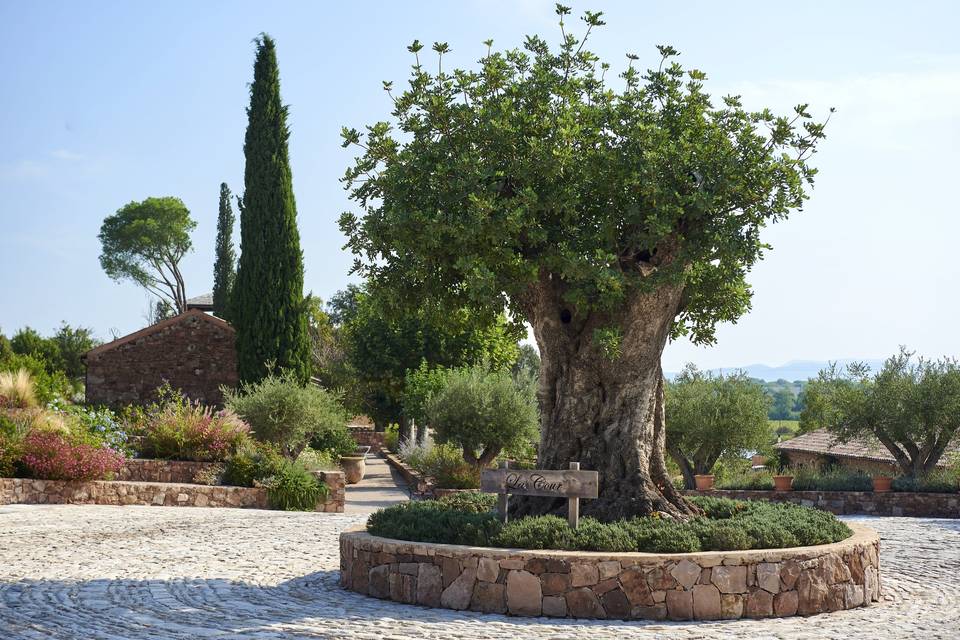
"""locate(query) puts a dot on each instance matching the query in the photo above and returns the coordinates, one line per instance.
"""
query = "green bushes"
(442, 462)
(748, 481)
(726, 525)
(836, 479)
(434, 521)
(290, 485)
(282, 411)
(174, 428)
(937, 481)
(293, 488)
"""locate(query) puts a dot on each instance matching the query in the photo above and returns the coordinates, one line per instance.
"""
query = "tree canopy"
(382, 346)
(710, 417)
(912, 406)
(537, 165)
(268, 307)
(225, 265)
(144, 242)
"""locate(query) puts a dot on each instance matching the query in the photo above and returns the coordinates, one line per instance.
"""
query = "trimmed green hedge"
(726, 525)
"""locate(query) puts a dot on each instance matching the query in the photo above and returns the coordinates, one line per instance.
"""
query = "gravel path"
(153, 572)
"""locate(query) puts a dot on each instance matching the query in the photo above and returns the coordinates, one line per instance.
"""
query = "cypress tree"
(269, 312)
(224, 269)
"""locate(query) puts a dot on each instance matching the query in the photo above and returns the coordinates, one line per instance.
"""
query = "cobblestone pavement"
(153, 572)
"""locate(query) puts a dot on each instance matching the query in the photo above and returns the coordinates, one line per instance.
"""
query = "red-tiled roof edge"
(157, 327)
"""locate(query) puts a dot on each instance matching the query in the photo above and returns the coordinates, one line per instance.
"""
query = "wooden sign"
(572, 484)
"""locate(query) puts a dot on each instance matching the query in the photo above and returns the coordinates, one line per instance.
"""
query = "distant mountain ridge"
(793, 370)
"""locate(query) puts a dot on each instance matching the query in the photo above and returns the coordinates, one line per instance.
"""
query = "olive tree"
(482, 412)
(709, 417)
(609, 214)
(911, 406)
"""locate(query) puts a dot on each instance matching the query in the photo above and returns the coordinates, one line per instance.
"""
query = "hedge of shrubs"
(839, 479)
(725, 525)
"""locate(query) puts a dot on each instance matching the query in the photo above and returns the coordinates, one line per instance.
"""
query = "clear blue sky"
(106, 102)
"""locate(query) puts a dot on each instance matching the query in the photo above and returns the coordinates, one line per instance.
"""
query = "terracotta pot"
(704, 483)
(353, 468)
(783, 483)
(881, 484)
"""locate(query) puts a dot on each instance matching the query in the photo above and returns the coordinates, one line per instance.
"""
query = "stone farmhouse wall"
(193, 351)
(817, 460)
(688, 586)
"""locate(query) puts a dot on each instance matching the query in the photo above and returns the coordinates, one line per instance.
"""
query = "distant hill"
(793, 370)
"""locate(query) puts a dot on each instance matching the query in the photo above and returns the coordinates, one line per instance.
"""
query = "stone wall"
(194, 352)
(336, 482)
(893, 503)
(367, 437)
(166, 494)
(150, 470)
(817, 460)
(28, 491)
(690, 586)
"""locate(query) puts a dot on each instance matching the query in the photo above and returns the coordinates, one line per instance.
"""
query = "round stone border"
(709, 585)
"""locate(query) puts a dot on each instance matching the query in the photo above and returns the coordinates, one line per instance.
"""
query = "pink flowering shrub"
(176, 429)
(56, 455)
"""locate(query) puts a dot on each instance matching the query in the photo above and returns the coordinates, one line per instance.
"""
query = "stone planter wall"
(337, 485)
(418, 484)
(109, 492)
(150, 470)
(165, 494)
(689, 586)
(917, 505)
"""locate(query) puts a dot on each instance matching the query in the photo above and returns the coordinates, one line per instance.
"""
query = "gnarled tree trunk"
(607, 412)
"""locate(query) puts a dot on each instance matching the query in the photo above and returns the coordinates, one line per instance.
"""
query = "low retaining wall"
(166, 494)
(684, 586)
(893, 503)
(367, 437)
(417, 483)
(152, 470)
(113, 492)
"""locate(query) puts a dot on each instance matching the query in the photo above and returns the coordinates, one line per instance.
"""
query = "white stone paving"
(152, 572)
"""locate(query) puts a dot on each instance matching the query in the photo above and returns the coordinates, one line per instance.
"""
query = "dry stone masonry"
(165, 494)
(693, 586)
(152, 470)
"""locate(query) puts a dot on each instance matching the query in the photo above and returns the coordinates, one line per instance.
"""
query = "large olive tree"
(609, 214)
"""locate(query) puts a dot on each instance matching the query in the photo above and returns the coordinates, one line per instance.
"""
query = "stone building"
(819, 448)
(193, 351)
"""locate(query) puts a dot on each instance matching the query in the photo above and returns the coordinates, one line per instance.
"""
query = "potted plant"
(881, 483)
(783, 482)
(703, 482)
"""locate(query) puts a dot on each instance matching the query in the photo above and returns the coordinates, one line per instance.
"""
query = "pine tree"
(224, 269)
(268, 306)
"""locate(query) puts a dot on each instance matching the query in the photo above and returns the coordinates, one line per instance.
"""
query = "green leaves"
(533, 167)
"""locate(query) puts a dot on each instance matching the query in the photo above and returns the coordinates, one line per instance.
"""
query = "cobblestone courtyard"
(149, 572)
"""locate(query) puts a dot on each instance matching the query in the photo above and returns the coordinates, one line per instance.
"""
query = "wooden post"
(503, 499)
(573, 504)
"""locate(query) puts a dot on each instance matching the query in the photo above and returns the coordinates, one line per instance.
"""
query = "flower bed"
(577, 584)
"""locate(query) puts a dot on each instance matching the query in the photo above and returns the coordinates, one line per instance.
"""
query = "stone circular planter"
(882, 484)
(783, 483)
(353, 468)
(703, 483)
(625, 586)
